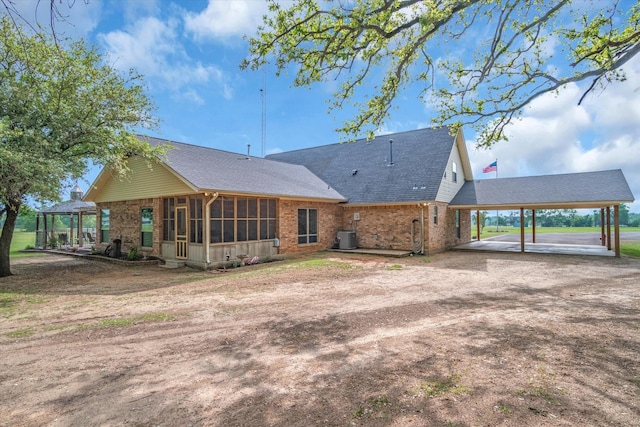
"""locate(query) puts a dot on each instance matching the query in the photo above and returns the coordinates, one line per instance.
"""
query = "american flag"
(492, 167)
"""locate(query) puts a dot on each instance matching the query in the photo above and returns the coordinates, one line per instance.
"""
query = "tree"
(494, 56)
(59, 109)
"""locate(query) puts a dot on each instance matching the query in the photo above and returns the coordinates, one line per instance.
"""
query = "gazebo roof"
(72, 206)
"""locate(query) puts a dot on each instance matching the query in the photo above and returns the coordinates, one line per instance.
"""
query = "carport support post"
(616, 227)
(533, 225)
(478, 224)
(521, 229)
(603, 236)
(609, 228)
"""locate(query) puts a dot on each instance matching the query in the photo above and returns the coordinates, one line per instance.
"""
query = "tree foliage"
(479, 62)
(59, 109)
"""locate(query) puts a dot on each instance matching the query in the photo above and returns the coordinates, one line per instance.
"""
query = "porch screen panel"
(228, 223)
(242, 219)
(267, 219)
(195, 219)
(168, 219)
(252, 219)
(216, 221)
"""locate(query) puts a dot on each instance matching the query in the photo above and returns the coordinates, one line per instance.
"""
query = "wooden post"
(608, 227)
(478, 224)
(616, 226)
(603, 235)
(46, 233)
(533, 225)
(80, 233)
(71, 231)
(521, 229)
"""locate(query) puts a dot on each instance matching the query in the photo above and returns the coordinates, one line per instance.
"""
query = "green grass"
(630, 249)
(21, 333)
(130, 321)
(448, 385)
(22, 239)
(11, 302)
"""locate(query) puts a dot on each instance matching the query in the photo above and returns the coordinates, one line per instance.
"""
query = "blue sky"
(189, 52)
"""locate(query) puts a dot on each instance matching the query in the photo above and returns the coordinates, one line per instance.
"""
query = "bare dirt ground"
(456, 339)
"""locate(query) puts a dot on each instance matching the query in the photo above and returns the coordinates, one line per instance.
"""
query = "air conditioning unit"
(347, 239)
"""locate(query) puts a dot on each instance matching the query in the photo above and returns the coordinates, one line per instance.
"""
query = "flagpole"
(497, 214)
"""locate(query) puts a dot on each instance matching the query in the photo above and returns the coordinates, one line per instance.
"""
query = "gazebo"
(73, 235)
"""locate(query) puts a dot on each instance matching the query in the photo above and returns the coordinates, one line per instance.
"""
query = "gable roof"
(361, 170)
(209, 169)
(572, 190)
(205, 169)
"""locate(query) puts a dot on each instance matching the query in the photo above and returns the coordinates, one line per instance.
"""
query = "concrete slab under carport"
(582, 243)
(545, 248)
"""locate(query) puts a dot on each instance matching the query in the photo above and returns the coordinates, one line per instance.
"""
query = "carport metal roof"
(563, 191)
(586, 190)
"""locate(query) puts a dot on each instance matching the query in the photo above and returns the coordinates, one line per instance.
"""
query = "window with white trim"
(307, 226)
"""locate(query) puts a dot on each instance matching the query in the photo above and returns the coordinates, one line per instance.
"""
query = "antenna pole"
(263, 92)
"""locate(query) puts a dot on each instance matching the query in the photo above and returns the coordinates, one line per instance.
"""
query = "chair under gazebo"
(73, 235)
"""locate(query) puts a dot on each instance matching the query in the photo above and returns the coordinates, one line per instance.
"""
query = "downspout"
(422, 236)
(207, 226)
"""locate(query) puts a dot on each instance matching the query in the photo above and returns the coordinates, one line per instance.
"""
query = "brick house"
(203, 206)
(411, 191)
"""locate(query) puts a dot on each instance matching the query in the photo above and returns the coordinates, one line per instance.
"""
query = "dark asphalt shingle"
(419, 160)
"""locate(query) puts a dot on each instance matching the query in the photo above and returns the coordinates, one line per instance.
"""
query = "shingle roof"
(586, 188)
(216, 170)
(361, 172)
(69, 207)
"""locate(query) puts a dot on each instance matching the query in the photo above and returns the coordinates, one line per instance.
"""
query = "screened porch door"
(181, 232)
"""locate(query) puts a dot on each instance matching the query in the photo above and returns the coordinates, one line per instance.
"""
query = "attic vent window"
(454, 172)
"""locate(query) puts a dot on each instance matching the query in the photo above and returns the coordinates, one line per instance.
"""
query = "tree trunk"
(6, 237)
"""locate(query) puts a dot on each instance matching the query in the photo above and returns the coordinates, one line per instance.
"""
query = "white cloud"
(153, 48)
(556, 135)
(225, 19)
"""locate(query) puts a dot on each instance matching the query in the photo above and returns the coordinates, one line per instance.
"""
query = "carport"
(603, 190)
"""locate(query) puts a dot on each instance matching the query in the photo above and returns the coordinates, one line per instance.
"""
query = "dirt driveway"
(457, 339)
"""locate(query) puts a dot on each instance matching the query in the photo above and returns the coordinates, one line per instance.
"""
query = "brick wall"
(379, 227)
(329, 218)
(125, 223)
(383, 227)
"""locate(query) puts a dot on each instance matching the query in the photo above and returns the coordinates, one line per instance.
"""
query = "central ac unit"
(347, 239)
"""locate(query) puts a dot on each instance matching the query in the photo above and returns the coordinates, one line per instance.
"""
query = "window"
(307, 226)
(454, 172)
(146, 227)
(195, 220)
(457, 223)
(435, 214)
(104, 225)
(168, 219)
